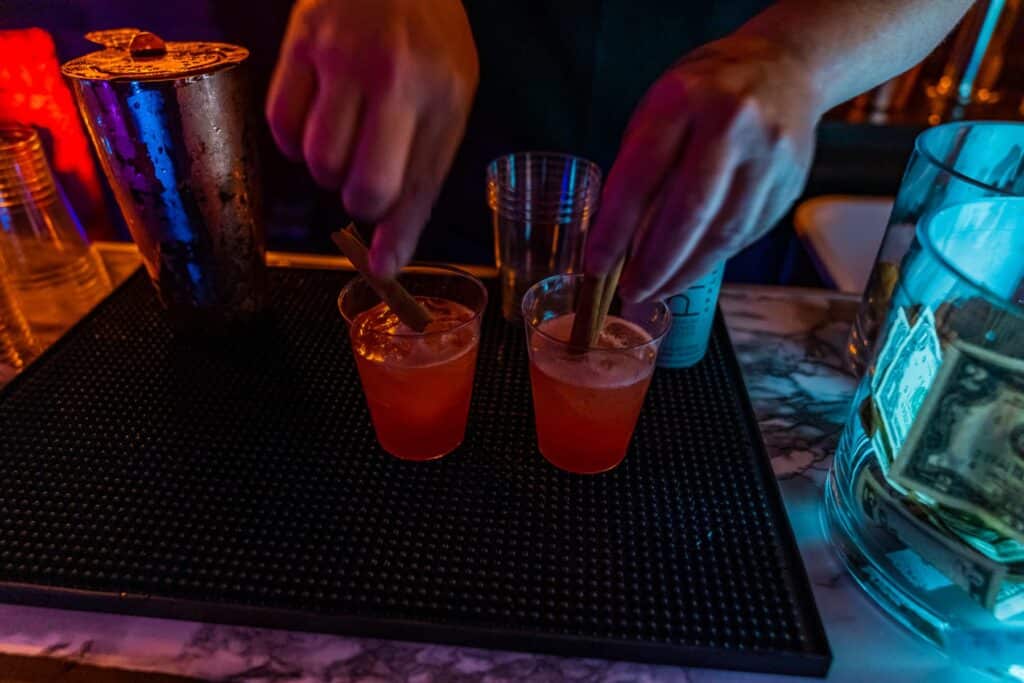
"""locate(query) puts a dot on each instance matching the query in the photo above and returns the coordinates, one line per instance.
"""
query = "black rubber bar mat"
(242, 484)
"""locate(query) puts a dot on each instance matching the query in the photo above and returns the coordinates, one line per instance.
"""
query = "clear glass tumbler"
(542, 204)
(417, 384)
(951, 164)
(56, 275)
(17, 347)
(586, 403)
(925, 498)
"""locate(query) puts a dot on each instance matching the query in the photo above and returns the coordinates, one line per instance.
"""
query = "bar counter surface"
(790, 345)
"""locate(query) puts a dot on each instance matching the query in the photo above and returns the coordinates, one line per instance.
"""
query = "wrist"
(789, 60)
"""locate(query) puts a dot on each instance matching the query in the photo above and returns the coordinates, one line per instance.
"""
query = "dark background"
(850, 159)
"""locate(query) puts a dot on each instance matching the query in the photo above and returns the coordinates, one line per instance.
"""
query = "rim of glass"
(578, 276)
(425, 269)
(571, 205)
(16, 138)
(923, 235)
(540, 153)
(924, 139)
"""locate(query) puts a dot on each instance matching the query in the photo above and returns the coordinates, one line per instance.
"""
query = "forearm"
(850, 46)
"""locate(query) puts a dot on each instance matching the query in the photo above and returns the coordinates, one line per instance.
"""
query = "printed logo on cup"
(693, 313)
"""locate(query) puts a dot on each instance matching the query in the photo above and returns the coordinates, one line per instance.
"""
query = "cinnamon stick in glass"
(608, 295)
(595, 298)
(409, 311)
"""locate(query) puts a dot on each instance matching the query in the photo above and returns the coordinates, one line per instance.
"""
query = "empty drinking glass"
(17, 347)
(542, 204)
(53, 271)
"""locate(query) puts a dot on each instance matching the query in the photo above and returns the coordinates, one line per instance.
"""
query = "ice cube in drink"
(417, 385)
(586, 405)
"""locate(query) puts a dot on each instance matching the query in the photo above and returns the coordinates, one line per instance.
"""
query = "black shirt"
(561, 75)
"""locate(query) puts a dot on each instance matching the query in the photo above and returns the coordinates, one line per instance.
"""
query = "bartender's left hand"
(714, 155)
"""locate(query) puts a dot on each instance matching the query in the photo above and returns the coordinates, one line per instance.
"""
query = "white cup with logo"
(693, 314)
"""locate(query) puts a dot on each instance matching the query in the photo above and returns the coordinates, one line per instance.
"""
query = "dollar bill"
(879, 440)
(898, 333)
(872, 421)
(972, 531)
(977, 321)
(980, 577)
(966, 448)
(907, 381)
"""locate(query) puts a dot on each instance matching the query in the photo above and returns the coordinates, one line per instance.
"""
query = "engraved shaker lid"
(131, 54)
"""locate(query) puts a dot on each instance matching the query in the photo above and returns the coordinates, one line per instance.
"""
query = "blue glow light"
(988, 27)
(145, 107)
(568, 184)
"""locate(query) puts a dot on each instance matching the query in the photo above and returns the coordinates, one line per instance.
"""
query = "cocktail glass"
(586, 402)
(417, 384)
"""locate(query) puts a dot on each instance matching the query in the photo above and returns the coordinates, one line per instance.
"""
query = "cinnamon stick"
(588, 304)
(611, 284)
(409, 311)
(595, 299)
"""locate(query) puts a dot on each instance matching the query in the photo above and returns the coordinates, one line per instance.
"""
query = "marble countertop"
(790, 344)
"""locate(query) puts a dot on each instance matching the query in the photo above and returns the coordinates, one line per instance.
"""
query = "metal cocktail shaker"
(171, 125)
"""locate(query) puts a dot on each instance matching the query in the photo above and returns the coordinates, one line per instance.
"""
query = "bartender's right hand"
(374, 96)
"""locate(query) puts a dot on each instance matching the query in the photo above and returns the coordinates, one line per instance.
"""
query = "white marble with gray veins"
(789, 343)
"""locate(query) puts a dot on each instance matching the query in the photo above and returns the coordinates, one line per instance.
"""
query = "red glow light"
(33, 92)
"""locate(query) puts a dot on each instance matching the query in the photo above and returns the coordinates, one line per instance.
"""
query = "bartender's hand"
(714, 155)
(374, 96)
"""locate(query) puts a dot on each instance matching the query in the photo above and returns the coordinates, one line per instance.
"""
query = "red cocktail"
(418, 384)
(586, 404)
